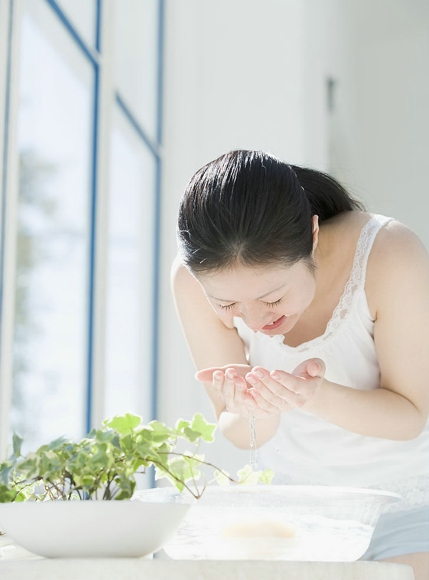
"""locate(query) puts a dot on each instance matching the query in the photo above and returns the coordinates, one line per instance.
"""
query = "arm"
(398, 295)
(212, 344)
(399, 276)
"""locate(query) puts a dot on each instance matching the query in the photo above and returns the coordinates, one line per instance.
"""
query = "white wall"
(392, 82)
(252, 74)
(234, 79)
(377, 139)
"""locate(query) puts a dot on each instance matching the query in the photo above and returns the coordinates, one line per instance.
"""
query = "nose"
(255, 318)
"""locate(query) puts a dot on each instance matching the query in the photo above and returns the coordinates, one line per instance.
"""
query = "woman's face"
(269, 300)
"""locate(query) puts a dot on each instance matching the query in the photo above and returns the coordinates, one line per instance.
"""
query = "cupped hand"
(230, 384)
(279, 391)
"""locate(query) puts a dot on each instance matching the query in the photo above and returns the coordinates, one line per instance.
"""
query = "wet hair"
(252, 208)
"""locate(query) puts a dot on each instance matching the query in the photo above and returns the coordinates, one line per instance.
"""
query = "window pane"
(136, 59)
(129, 347)
(83, 15)
(54, 138)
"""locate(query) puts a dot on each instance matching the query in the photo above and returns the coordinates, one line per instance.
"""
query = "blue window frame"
(58, 218)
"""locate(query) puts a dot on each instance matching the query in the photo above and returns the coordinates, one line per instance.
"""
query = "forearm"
(377, 413)
(237, 429)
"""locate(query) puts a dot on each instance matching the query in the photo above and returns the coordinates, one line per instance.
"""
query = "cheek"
(307, 297)
(224, 314)
(300, 301)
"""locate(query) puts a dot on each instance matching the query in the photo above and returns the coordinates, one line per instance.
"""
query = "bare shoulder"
(189, 296)
(398, 264)
(184, 284)
(397, 246)
(178, 270)
(181, 278)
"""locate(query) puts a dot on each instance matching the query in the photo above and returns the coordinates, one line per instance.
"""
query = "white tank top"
(309, 450)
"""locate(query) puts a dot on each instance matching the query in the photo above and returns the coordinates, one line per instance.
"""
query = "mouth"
(274, 324)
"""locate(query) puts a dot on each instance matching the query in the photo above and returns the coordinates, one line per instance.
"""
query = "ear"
(315, 222)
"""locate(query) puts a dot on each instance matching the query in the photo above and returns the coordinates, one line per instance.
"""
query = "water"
(253, 450)
(316, 538)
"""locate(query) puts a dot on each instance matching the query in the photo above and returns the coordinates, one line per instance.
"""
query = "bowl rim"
(292, 491)
(307, 487)
(94, 502)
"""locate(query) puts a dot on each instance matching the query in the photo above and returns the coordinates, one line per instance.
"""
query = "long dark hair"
(249, 206)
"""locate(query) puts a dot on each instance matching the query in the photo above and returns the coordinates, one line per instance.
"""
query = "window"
(80, 137)
(130, 265)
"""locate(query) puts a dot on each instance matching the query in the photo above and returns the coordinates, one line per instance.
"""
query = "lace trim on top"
(353, 284)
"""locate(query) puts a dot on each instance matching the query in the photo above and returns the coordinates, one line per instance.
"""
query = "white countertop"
(142, 569)
(18, 564)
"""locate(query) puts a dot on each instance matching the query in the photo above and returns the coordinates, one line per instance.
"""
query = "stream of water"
(253, 450)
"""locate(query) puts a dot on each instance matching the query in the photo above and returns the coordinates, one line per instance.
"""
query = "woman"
(311, 315)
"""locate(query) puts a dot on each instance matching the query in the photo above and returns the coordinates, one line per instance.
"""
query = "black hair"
(250, 207)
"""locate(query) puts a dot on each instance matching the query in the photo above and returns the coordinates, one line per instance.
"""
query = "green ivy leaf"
(160, 431)
(205, 429)
(248, 476)
(105, 462)
(29, 466)
(126, 485)
(58, 443)
(266, 476)
(221, 477)
(6, 469)
(6, 494)
(181, 426)
(16, 445)
(124, 423)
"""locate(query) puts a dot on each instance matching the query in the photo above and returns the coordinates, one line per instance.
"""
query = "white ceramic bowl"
(92, 528)
(301, 523)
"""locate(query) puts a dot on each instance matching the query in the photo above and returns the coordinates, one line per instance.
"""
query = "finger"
(280, 390)
(229, 390)
(284, 401)
(259, 378)
(279, 383)
(224, 391)
(218, 384)
(292, 383)
(240, 384)
(262, 403)
(314, 367)
(206, 375)
(251, 408)
(243, 403)
(218, 378)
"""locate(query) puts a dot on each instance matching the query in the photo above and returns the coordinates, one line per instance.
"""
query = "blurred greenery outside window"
(87, 145)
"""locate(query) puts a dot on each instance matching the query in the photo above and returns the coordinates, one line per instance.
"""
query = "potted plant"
(103, 466)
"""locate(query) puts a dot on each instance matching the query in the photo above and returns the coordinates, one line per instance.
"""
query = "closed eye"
(227, 306)
(230, 306)
(272, 304)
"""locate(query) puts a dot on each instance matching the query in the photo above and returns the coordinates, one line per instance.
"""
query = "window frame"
(105, 97)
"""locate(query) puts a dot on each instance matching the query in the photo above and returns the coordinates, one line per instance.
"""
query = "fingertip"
(320, 365)
(316, 369)
(313, 371)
